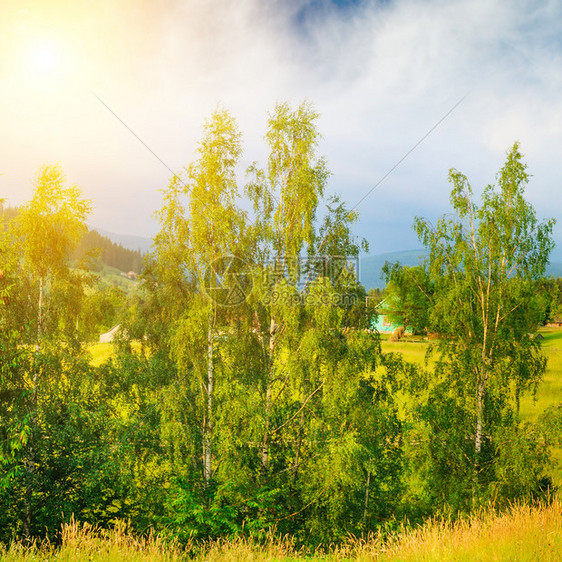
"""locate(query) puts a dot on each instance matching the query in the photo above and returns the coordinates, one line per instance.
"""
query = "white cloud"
(381, 74)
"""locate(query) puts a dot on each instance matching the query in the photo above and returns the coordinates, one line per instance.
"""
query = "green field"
(549, 392)
(100, 353)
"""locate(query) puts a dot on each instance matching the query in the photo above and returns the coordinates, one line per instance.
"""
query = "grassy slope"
(112, 276)
(549, 392)
(100, 353)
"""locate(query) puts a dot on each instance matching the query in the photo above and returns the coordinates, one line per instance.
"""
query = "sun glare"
(44, 59)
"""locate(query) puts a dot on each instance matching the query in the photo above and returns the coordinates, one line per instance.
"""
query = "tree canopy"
(246, 393)
(485, 263)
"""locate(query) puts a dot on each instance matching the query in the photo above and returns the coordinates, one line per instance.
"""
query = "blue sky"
(381, 74)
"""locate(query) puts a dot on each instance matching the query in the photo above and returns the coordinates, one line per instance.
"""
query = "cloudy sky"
(382, 74)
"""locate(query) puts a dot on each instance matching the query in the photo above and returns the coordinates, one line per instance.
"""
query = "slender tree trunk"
(268, 396)
(479, 416)
(27, 517)
(298, 451)
(478, 435)
(40, 314)
(480, 392)
(265, 441)
(31, 461)
(300, 435)
(366, 506)
(208, 424)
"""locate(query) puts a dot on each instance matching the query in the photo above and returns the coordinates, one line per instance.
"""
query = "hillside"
(99, 250)
(370, 267)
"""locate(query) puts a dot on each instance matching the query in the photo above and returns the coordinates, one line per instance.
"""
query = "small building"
(381, 321)
(556, 322)
(383, 324)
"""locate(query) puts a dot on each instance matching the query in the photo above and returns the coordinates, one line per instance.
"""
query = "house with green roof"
(386, 319)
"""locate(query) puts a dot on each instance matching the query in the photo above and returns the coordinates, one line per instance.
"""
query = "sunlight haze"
(381, 74)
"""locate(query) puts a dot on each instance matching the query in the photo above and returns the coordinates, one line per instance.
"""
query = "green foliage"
(275, 393)
(550, 291)
(287, 193)
(52, 223)
(485, 264)
(42, 309)
(101, 308)
(277, 414)
(551, 424)
(408, 295)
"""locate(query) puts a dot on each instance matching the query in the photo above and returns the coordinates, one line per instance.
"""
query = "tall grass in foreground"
(522, 533)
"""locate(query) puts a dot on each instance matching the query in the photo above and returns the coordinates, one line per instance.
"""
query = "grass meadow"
(549, 392)
(100, 353)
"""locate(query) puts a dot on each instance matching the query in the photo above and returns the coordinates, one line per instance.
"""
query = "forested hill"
(100, 248)
(109, 252)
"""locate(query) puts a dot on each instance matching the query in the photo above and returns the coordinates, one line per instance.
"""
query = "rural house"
(386, 320)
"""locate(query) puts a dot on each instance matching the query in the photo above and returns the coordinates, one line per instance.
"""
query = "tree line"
(247, 394)
(97, 249)
(94, 249)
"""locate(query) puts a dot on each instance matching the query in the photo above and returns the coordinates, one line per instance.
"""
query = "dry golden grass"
(85, 542)
(521, 534)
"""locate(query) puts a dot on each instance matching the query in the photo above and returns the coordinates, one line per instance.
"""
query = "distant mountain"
(554, 269)
(137, 243)
(370, 267)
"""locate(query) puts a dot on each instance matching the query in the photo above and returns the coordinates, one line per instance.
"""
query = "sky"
(477, 75)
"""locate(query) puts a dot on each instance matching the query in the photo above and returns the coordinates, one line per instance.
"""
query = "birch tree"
(485, 262)
(48, 228)
(286, 195)
(201, 226)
